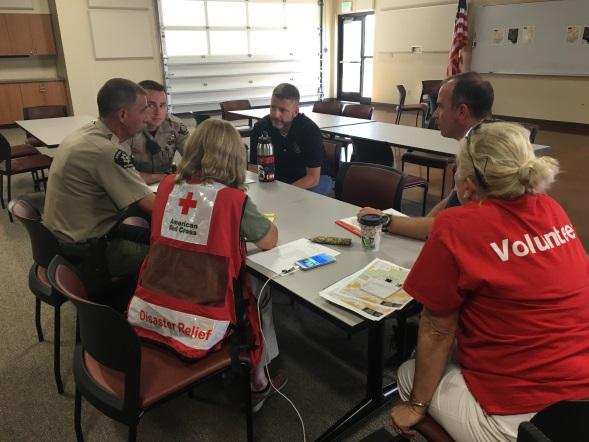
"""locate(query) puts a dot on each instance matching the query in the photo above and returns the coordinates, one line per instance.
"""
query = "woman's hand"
(404, 416)
(368, 210)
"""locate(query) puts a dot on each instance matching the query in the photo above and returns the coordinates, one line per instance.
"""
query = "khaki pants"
(456, 409)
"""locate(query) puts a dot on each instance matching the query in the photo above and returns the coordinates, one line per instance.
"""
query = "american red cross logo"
(187, 203)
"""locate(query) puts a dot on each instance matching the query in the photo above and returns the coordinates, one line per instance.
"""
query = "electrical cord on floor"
(261, 293)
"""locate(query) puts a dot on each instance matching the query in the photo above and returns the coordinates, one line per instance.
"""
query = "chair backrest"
(372, 185)
(38, 112)
(43, 243)
(333, 151)
(105, 334)
(328, 107)
(199, 118)
(402, 94)
(375, 152)
(233, 105)
(363, 111)
(430, 88)
(4, 150)
(565, 420)
(533, 128)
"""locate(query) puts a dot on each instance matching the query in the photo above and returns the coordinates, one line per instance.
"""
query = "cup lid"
(371, 219)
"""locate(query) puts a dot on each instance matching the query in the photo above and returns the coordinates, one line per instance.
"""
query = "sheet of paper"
(284, 257)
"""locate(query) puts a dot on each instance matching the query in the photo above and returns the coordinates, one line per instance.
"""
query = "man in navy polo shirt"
(298, 145)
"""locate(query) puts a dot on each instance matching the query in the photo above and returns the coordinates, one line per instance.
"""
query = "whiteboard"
(120, 33)
(542, 32)
(430, 27)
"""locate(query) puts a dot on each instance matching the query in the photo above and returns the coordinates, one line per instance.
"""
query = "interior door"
(355, 57)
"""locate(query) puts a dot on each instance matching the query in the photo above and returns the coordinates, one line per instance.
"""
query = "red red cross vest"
(185, 295)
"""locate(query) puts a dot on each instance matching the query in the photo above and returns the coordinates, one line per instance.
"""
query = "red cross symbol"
(187, 203)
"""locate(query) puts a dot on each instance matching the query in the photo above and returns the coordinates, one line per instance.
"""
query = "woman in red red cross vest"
(200, 222)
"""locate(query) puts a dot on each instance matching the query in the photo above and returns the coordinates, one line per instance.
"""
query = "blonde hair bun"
(505, 159)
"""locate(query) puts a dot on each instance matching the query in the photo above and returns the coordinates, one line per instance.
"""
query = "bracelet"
(414, 403)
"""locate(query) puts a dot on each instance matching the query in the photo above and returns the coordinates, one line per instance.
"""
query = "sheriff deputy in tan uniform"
(154, 148)
(93, 180)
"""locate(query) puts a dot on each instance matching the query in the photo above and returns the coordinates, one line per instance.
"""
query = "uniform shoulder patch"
(182, 129)
(122, 159)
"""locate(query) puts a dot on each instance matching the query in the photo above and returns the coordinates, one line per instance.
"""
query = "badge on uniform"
(122, 159)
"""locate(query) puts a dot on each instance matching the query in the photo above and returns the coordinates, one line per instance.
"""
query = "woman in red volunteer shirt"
(506, 276)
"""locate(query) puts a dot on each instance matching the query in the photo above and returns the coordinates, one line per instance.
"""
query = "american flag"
(459, 40)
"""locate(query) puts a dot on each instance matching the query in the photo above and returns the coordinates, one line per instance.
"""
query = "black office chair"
(368, 184)
(233, 105)
(561, 422)
(419, 108)
(42, 112)
(330, 107)
(44, 246)
(124, 377)
(368, 151)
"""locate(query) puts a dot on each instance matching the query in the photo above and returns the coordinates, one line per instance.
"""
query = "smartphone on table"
(315, 261)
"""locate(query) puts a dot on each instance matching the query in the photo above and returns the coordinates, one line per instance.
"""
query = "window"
(238, 49)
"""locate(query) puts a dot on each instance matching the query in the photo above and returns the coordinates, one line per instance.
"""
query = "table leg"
(376, 395)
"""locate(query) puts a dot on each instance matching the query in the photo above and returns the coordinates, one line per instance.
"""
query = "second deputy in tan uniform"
(154, 148)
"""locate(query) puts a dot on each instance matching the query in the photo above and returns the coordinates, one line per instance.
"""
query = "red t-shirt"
(520, 277)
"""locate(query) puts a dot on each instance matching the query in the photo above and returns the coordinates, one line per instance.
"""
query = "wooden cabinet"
(43, 93)
(26, 34)
(42, 34)
(11, 108)
(5, 47)
(15, 96)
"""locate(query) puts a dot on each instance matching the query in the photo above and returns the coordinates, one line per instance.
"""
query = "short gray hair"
(117, 93)
(505, 160)
(286, 91)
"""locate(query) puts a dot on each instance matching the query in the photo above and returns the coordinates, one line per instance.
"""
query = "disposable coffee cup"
(370, 227)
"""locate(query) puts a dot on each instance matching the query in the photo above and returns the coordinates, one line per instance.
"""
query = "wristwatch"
(387, 223)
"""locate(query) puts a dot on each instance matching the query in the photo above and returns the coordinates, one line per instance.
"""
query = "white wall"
(85, 74)
(528, 96)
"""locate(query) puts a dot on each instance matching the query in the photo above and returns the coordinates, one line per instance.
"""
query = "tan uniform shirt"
(92, 181)
(155, 153)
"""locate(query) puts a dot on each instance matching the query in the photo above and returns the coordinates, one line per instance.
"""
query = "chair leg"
(424, 205)
(56, 349)
(38, 319)
(78, 416)
(132, 433)
(444, 182)
(2, 191)
(248, 402)
(9, 194)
